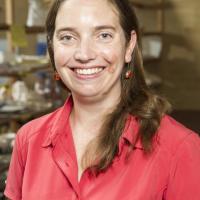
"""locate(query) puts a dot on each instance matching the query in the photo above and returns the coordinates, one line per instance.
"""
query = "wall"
(179, 67)
(181, 62)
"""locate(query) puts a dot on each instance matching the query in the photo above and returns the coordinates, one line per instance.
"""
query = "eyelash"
(104, 36)
(66, 37)
(108, 36)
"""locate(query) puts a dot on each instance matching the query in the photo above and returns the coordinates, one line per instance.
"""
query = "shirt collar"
(60, 122)
(129, 134)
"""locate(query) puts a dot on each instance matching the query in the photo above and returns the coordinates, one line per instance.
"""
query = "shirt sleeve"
(184, 179)
(14, 180)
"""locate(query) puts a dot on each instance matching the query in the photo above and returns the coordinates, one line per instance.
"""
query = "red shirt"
(44, 166)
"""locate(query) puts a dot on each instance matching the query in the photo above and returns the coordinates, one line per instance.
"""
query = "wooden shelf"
(29, 30)
(153, 29)
(5, 161)
(148, 59)
(152, 6)
(152, 33)
(22, 69)
(4, 27)
(25, 115)
(35, 29)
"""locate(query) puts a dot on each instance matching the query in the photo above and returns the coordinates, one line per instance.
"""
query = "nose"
(85, 51)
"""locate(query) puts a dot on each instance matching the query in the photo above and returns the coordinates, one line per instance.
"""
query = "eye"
(67, 38)
(106, 36)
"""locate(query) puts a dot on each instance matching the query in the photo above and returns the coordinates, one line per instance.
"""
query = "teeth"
(88, 71)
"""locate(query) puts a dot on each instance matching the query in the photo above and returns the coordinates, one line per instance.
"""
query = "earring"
(56, 76)
(129, 73)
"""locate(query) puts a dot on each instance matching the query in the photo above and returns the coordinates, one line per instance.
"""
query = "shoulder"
(39, 127)
(180, 149)
(172, 135)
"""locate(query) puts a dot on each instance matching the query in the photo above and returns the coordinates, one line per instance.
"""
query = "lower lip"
(88, 76)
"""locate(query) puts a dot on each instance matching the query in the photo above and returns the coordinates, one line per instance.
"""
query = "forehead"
(101, 11)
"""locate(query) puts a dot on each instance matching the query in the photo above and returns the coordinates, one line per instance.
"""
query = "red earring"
(56, 76)
(129, 74)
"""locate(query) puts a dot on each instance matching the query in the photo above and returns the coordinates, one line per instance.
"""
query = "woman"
(111, 140)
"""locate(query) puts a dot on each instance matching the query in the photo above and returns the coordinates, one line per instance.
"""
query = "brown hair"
(136, 97)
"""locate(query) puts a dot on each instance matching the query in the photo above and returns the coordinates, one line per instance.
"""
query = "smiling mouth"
(89, 71)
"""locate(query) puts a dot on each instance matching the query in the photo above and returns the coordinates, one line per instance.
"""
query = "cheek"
(61, 56)
(113, 53)
(109, 54)
(114, 57)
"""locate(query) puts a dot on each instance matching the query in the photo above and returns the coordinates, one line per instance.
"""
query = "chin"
(87, 95)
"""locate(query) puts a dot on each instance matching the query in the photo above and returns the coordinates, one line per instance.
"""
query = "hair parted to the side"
(136, 97)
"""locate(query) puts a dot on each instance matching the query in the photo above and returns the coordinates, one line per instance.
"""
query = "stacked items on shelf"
(18, 100)
(153, 29)
(23, 101)
(27, 90)
(6, 145)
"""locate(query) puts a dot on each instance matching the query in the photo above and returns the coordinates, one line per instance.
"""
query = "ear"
(130, 47)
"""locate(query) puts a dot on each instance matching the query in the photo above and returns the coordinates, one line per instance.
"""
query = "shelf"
(34, 29)
(152, 6)
(152, 33)
(13, 119)
(21, 69)
(148, 59)
(4, 27)
(25, 115)
(4, 162)
(29, 30)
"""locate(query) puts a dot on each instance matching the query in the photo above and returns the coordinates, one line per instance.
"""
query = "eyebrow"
(105, 27)
(96, 28)
(65, 29)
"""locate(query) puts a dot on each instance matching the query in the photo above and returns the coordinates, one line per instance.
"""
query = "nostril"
(84, 55)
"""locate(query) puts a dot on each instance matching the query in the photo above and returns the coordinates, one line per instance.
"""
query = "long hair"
(136, 97)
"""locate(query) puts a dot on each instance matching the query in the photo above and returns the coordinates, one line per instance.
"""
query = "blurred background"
(171, 48)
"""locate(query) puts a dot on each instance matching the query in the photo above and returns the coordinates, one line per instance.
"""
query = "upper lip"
(86, 67)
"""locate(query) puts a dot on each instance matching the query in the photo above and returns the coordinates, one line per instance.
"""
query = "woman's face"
(90, 48)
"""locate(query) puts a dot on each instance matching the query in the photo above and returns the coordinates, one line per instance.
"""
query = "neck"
(89, 115)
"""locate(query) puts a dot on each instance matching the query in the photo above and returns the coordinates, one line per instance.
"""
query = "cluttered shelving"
(28, 30)
(152, 38)
(14, 70)
(27, 88)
